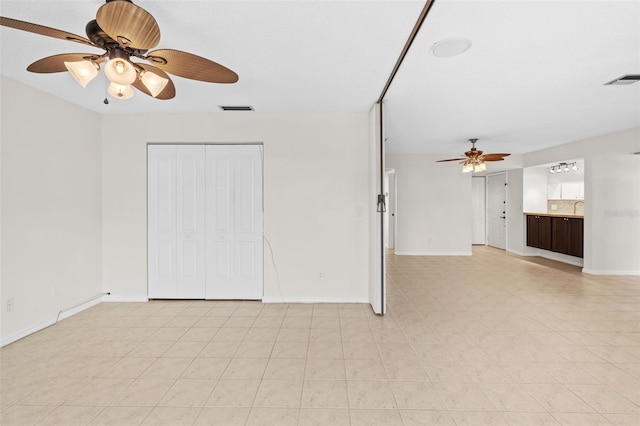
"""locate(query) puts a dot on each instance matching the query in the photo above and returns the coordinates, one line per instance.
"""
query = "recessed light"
(450, 47)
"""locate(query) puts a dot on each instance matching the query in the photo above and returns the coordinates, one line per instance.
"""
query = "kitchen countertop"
(554, 214)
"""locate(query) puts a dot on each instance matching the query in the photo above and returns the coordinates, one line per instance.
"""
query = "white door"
(478, 209)
(234, 222)
(389, 217)
(496, 210)
(176, 231)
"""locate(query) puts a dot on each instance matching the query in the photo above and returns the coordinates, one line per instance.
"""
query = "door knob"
(503, 217)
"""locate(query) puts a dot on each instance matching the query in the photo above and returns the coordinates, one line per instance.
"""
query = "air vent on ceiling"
(625, 79)
(236, 108)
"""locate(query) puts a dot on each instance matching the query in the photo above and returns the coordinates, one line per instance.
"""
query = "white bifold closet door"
(176, 225)
(205, 221)
(234, 222)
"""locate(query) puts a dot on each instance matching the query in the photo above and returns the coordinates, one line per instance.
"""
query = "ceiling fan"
(125, 31)
(475, 159)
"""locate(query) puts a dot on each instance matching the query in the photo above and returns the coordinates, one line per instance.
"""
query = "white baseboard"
(49, 322)
(120, 298)
(519, 253)
(601, 272)
(564, 258)
(314, 300)
(24, 333)
(79, 308)
(454, 253)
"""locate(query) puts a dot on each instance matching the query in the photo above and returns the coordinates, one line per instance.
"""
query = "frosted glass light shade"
(120, 71)
(120, 91)
(154, 83)
(82, 71)
(480, 167)
(467, 167)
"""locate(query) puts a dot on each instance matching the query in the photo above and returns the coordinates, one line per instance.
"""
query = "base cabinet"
(539, 232)
(558, 234)
(576, 237)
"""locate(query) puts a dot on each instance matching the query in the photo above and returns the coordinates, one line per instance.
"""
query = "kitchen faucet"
(576, 204)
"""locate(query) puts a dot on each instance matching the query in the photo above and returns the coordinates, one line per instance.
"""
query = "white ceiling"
(302, 56)
(533, 77)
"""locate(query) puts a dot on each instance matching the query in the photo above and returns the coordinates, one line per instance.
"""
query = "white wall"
(515, 216)
(433, 213)
(611, 211)
(316, 192)
(614, 208)
(51, 210)
(535, 189)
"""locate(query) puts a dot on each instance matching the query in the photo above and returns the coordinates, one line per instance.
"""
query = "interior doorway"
(497, 210)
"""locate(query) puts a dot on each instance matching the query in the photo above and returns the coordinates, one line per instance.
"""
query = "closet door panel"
(191, 222)
(219, 197)
(248, 214)
(234, 222)
(162, 248)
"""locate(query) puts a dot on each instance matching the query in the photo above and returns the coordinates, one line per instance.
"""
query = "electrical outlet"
(10, 305)
(321, 275)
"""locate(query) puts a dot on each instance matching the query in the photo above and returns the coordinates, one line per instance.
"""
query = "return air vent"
(236, 108)
(624, 80)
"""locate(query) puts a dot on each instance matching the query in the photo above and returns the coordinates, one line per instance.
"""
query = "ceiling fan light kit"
(153, 82)
(120, 91)
(82, 71)
(124, 31)
(120, 71)
(475, 160)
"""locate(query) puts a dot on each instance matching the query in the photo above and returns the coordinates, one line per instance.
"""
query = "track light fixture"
(563, 167)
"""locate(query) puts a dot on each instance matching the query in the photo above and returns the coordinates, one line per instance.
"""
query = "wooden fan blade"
(129, 24)
(191, 66)
(494, 157)
(55, 63)
(450, 159)
(42, 30)
(169, 90)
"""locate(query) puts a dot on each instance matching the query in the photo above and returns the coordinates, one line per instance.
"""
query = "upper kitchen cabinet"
(572, 191)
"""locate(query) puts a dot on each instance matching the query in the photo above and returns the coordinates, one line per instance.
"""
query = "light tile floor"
(486, 339)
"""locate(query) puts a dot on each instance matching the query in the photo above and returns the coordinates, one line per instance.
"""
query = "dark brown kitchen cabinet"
(559, 234)
(576, 237)
(539, 231)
